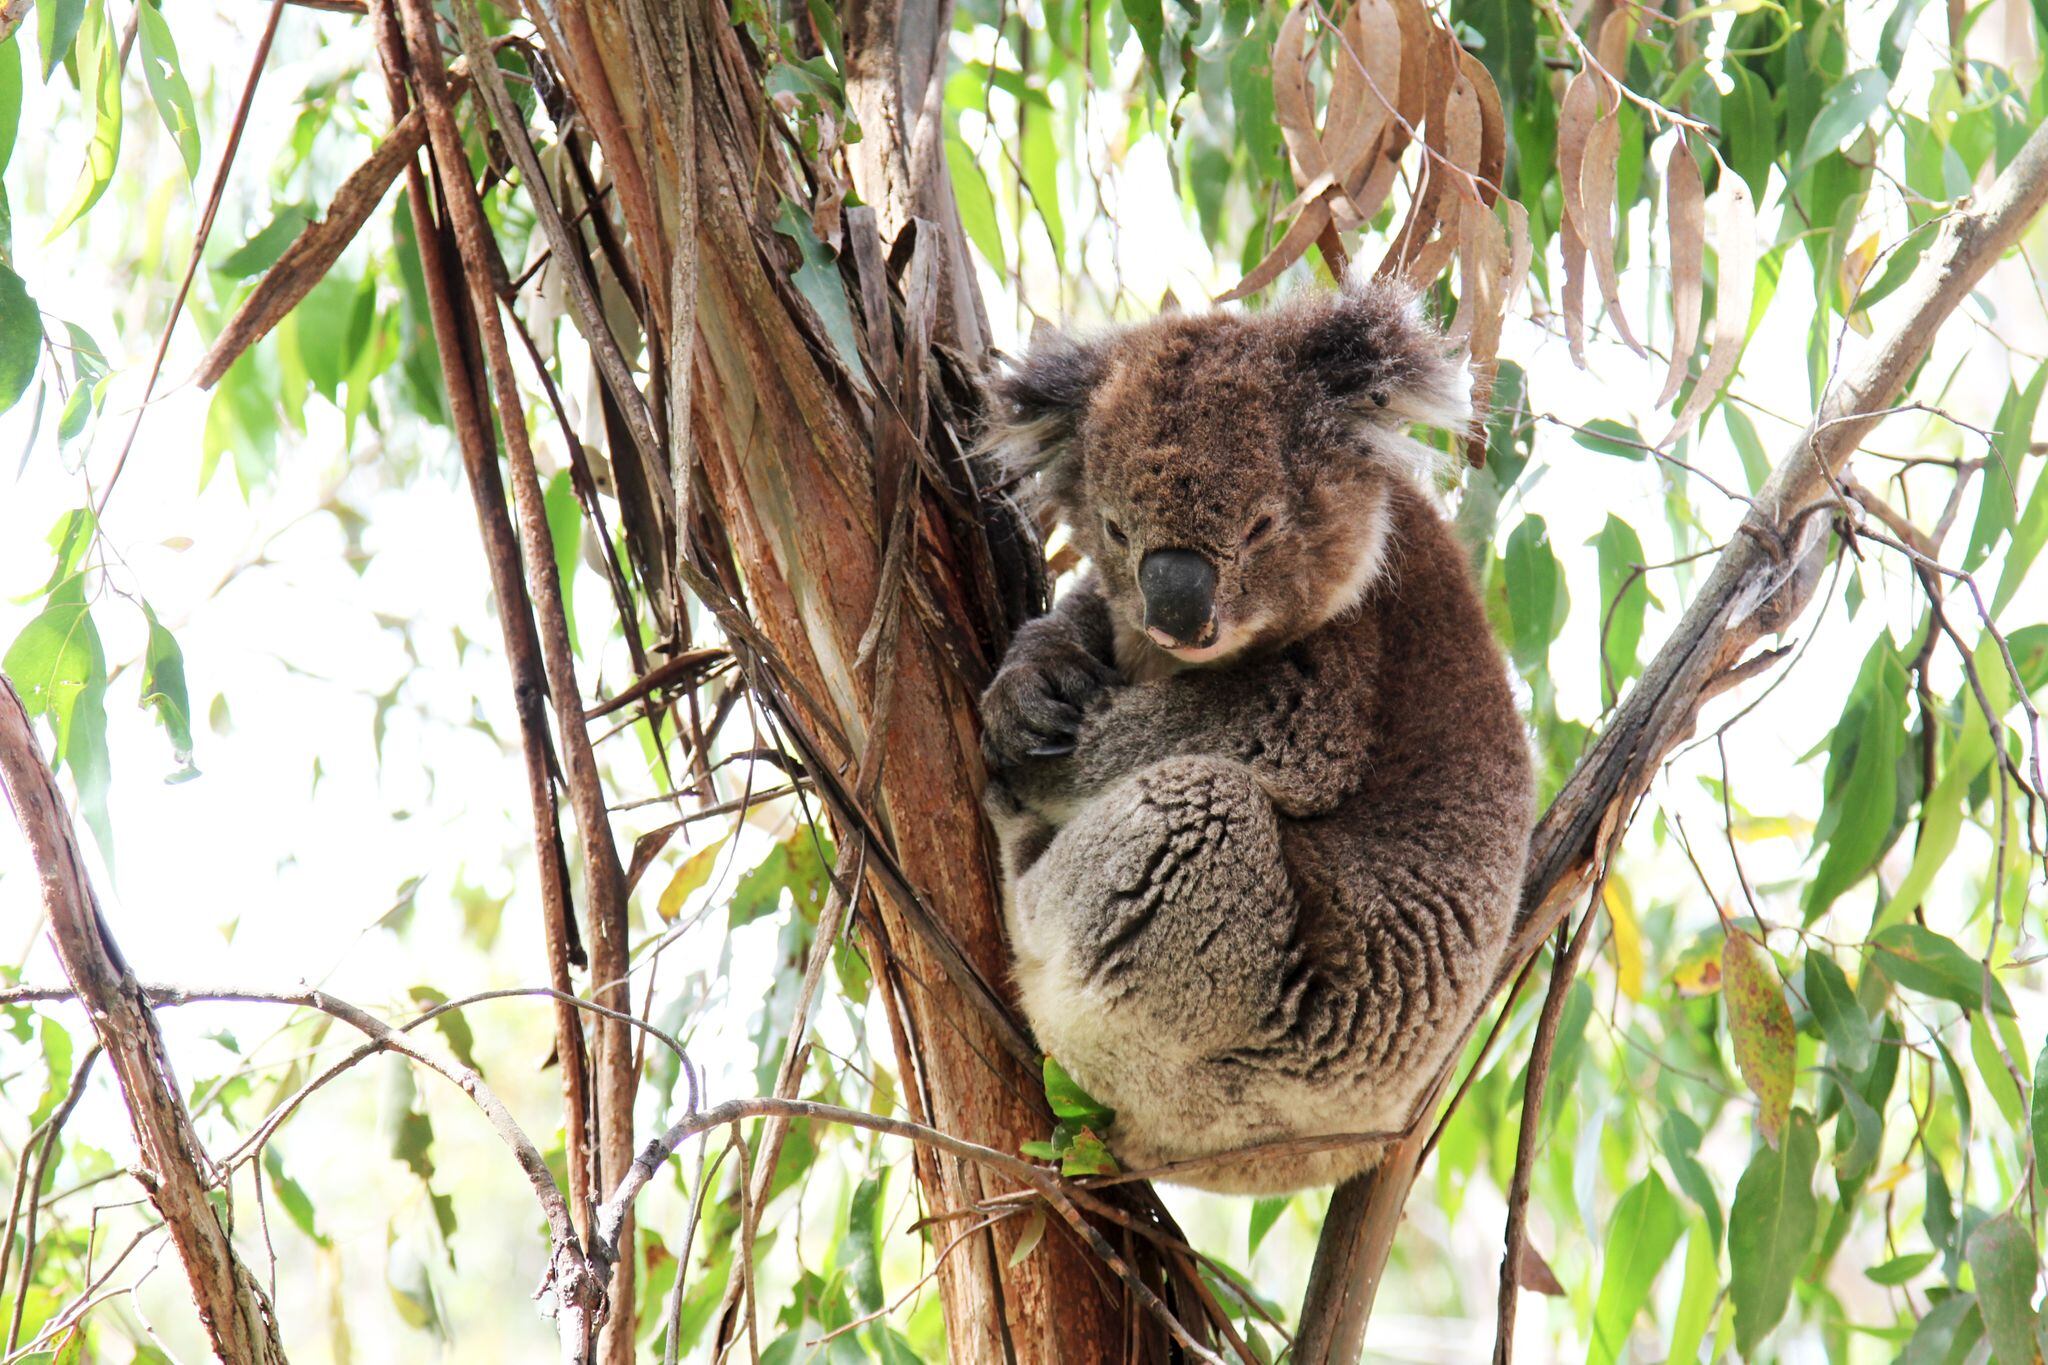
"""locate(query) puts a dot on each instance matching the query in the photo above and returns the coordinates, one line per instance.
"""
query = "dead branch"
(1759, 585)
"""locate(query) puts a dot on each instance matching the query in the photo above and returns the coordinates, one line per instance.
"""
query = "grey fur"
(1255, 896)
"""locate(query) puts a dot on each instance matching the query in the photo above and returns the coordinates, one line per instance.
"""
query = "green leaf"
(21, 338)
(817, 278)
(1535, 585)
(1756, 462)
(1040, 164)
(1624, 597)
(1696, 1294)
(167, 85)
(1899, 1269)
(10, 98)
(859, 1253)
(1861, 784)
(1640, 1237)
(1770, 1228)
(1996, 1075)
(60, 670)
(1087, 1154)
(976, 204)
(1946, 1334)
(1760, 1025)
(1941, 819)
(1610, 437)
(99, 78)
(261, 251)
(163, 689)
(565, 529)
(2007, 1266)
(57, 24)
(1070, 1101)
(1998, 500)
(1846, 109)
(1750, 124)
(798, 865)
(2039, 1117)
(292, 1195)
(1842, 1020)
(1265, 1212)
(450, 1025)
(1921, 960)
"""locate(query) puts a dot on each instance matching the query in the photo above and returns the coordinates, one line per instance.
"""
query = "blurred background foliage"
(1796, 1106)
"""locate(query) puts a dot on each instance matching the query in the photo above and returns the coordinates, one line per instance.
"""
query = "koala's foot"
(1172, 900)
(1033, 709)
(1022, 834)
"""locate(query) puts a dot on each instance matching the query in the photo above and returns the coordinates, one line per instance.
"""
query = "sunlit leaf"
(21, 338)
(1760, 1025)
(1921, 960)
(1641, 1234)
(167, 85)
(1848, 107)
(99, 77)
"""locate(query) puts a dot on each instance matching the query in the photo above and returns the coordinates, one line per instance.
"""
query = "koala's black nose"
(1180, 593)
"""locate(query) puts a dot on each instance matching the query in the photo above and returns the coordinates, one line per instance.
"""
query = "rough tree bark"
(170, 1162)
(790, 462)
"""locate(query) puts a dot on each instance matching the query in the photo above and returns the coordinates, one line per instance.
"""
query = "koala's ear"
(1374, 354)
(1034, 414)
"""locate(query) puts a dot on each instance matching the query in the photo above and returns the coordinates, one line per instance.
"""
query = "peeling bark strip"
(1759, 586)
(171, 1164)
(315, 250)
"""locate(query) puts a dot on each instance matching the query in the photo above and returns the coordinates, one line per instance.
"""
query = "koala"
(1261, 791)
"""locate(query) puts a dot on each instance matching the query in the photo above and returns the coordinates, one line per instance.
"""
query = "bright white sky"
(274, 865)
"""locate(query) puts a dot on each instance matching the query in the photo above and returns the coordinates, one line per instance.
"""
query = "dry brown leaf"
(1685, 213)
(1574, 290)
(1617, 31)
(1577, 112)
(1520, 250)
(1493, 141)
(1293, 104)
(1533, 1273)
(1734, 291)
(1364, 82)
(1597, 177)
(1484, 266)
(1405, 256)
(1290, 248)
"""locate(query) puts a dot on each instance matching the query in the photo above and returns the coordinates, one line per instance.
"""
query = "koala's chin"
(1262, 794)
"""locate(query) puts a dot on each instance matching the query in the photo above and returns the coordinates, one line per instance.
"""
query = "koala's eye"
(1258, 530)
(1116, 532)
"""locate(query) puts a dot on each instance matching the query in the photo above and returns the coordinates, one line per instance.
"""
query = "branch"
(1759, 585)
(170, 1161)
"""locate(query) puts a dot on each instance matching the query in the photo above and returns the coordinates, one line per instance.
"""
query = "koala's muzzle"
(1180, 595)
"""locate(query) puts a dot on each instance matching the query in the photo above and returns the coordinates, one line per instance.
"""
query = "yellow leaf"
(1699, 971)
(1628, 936)
(1760, 1024)
(695, 871)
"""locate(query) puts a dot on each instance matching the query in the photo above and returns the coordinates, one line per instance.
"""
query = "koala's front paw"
(1033, 709)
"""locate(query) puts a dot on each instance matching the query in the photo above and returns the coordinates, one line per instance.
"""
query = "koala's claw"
(1034, 707)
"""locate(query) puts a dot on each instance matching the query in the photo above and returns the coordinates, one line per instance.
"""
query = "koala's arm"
(1299, 721)
(1056, 667)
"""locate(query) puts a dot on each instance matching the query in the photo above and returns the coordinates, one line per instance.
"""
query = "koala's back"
(1404, 890)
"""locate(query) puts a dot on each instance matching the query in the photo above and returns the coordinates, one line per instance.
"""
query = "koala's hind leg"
(1162, 910)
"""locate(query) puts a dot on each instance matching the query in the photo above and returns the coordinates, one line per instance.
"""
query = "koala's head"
(1228, 474)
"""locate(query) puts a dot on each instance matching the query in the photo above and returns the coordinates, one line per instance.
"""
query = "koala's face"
(1227, 474)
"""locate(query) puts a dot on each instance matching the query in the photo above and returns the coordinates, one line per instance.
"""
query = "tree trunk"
(833, 487)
